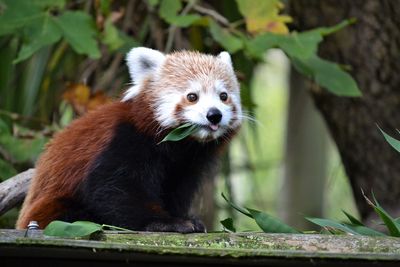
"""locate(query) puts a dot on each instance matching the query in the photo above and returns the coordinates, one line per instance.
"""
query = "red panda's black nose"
(214, 115)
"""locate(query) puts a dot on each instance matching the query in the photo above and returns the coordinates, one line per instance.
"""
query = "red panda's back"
(66, 161)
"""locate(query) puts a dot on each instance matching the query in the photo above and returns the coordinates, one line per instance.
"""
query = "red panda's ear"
(225, 57)
(142, 62)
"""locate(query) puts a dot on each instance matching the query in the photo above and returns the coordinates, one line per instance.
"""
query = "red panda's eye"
(223, 96)
(192, 97)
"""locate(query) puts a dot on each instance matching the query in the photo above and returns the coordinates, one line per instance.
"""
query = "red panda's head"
(188, 87)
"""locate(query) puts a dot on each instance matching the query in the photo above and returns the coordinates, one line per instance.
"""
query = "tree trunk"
(371, 47)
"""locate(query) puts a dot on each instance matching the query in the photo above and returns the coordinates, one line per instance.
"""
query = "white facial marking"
(165, 109)
(197, 113)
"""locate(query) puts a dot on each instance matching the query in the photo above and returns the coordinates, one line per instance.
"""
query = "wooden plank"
(203, 249)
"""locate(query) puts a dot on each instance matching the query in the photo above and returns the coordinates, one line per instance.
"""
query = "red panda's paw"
(176, 225)
(198, 224)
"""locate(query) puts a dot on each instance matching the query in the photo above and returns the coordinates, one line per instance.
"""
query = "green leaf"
(228, 224)
(353, 219)
(128, 43)
(79, 31)
(111, 36)
(6, 170)
(270, 224)
(326, 223)
(105, 7)
(117, 40)
(363, 230)
(180, 133)
(296, 45)
(266, 222)
(184, 20)
(4, 128)
(347, 228)
(41, 33)
(169, 8)
(153, 3)
(236, 207)
(299, 45)
(75, 229)
(49, 3)
(116, 228)
(302, 50)
(22, 150)
(261, 16)
(15, 14)
(389, 221)
(169, 12)
(330, 76)
(227, 40)
(329, 30)
(392, 141)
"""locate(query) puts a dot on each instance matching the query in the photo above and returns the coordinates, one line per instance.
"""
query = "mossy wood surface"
(147, 249)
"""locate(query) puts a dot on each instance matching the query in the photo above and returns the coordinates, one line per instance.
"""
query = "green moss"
(238, 245)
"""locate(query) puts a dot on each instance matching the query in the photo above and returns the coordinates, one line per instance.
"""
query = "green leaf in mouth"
(180, 132)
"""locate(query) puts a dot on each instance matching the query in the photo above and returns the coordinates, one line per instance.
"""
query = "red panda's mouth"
(214, 127)
(210, 127)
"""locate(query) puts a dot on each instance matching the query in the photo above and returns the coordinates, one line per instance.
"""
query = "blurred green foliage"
(62, 58)
(354, 226)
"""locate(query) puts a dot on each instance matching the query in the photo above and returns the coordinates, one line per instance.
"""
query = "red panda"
(109, 166)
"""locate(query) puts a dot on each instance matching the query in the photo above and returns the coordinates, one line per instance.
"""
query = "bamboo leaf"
(31, 80)
(180, 133)
(389, 221)
(392, 141)
(363, 230)
(344, 227)
(326, 223)
(353, 219)
(228, 224)
(75, 229)
(270, 224)
(236, 207)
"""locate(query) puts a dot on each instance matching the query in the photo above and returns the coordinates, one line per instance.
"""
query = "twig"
(19, 117)
(109, 75)
(212, 13)
(156, 29)
(172, 29)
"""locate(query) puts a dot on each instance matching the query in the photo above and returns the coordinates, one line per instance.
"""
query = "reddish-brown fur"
(54, 179)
